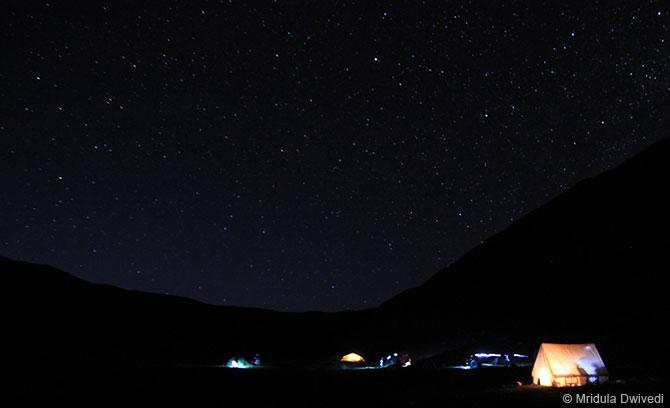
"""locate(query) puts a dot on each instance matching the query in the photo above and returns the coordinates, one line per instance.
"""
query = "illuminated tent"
(562, 365)
(352, 358)
(239, 362)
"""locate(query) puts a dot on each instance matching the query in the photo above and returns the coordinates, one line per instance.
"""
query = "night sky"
(307, 155)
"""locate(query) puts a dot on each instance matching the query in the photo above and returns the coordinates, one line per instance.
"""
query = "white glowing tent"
(566, 365)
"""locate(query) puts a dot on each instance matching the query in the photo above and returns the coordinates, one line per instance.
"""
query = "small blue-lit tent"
(239, 362)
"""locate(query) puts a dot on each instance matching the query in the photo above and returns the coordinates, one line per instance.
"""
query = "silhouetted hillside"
(589, 264)
(54, 316)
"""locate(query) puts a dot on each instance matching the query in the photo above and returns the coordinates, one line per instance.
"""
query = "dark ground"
(212, 386)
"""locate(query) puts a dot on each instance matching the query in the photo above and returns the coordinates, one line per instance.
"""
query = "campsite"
(213, 386)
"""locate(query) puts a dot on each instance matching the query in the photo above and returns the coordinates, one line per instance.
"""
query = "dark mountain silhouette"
(587, 266)
(54, 316)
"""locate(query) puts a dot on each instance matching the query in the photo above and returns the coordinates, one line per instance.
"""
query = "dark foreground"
(203, 386)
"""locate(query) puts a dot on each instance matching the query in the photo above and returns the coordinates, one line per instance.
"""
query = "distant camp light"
(352, 358)
(239, 362)
(480, 355)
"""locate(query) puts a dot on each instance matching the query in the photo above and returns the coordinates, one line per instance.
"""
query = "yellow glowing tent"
(568, 365)
(352, 358)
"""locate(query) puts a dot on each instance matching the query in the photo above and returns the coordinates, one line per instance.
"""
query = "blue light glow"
(480, 355)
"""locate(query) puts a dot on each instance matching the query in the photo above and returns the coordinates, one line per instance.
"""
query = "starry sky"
(307, 155)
